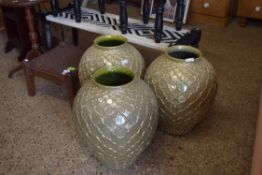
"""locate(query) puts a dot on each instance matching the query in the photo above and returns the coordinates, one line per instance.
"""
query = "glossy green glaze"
(110, 51)
(185, 86)
(116, 120)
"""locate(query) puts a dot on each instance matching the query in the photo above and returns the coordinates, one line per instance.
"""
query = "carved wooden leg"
(33, 38)
(54, 7)
(30, 80)
(179, 14)
(159, 19)
(123, 16)
(101, 4)
(77, 10)
(146, 11)
(243, 22)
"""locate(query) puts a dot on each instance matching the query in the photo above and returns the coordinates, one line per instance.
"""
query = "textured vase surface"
(108, 51)
(116, 115)
(185, 85)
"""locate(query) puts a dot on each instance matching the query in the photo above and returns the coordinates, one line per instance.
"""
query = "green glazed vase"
(110, 51)
(185, 85)
(116, 115)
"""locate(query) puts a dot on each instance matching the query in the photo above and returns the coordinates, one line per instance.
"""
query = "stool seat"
(51, 65)
(57, 59)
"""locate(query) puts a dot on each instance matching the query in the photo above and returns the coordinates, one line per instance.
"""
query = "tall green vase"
(110, 51)
(116, 115)
(185, 85)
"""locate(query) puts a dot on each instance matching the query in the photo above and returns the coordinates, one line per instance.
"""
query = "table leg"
(101, 4)
(159, 20)
(146, 11)
(123, 16)
(48, 34)
(33, 38)
(179, 14)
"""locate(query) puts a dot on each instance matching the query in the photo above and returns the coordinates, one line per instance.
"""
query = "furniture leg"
(77, 10)
(243, 22)
(48, 34)
(72, 85)
(101, 4)
(159, 20)
(123, 16)
(179, 14)
(33, 38)
(146, 11)
(30, 80)
(75, 36)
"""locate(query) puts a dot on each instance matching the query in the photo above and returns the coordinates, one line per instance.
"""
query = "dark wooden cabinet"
(249, 9)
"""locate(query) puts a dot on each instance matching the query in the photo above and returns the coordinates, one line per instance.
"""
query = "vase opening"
(183, 55)
(114, 78)
(183, 52)
(110, 41)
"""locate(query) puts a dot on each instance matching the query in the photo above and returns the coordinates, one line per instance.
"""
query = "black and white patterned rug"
(138, 32)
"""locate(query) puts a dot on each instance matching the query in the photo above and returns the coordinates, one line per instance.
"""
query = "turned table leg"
(33, 38)
(159, 20)
(123, 16)
(146, 11)
(32, 35)
(179, 14)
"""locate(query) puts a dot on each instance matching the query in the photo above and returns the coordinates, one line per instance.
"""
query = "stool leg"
(72, 85)
(30, 80)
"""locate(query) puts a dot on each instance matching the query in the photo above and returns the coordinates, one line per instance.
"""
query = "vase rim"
(108, 38)
(183, 48)
(106, 70)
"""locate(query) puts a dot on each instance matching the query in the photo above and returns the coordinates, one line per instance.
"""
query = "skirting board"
(138, 32)
(256, 168)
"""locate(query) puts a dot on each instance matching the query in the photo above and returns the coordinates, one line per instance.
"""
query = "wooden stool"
(51, 65)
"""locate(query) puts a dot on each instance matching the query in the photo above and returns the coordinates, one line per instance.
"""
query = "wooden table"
(27, 6)
(137, 33)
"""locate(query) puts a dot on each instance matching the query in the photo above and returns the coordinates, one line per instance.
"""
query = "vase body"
(110, 51)
(185, 88)
(116, 122)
